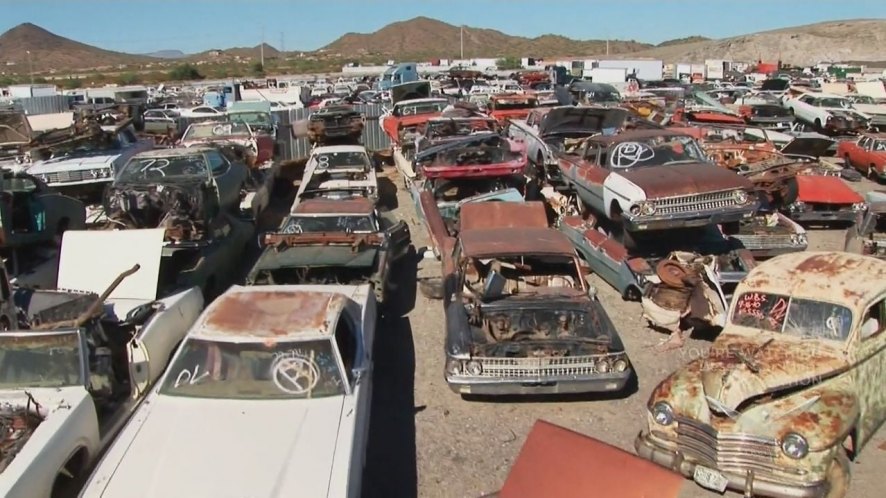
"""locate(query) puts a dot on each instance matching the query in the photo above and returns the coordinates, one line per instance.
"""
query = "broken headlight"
(794, 446)
(620, 365)
(859, 206)
(663, 413)
(643, 208)
(798, 206)
(100, 173)
(453, 367)
(473, 368)
(740, 197)
(799, 239)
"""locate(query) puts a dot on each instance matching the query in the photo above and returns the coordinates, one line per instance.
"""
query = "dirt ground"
(427, 441)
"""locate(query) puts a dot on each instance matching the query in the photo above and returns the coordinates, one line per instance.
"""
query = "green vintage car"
(791, 389)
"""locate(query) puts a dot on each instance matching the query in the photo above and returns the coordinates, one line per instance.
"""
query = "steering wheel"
(295, 375)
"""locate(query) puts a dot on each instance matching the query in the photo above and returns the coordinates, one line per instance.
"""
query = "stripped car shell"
(520, 318)
(868, 235)
(256, 148)
(792, 382)
(505, 107)
(325, 241)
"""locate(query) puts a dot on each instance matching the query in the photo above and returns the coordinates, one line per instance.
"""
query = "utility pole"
(282, 45)
(262, 47)
(462, 42)
(607, 47)
(31, 66)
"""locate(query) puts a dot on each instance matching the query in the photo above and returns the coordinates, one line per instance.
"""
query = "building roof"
(355, 205)
(269, 313)
(477, 243)
(824, 275)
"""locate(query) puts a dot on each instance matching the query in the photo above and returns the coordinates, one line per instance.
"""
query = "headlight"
(799, 239)
(453, 367)
(740, 197)
(798, 206)
(663, 413)
(859, 206)
(473, 368)
(644, 208)
(794, 446)
(620, 365)
(602, 366)
(44, 178)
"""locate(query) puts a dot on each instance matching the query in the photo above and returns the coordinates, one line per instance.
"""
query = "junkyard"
(616, 278)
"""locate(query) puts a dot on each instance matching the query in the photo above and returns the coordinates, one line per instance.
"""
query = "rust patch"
(515, 241)
(356, 205)
(263, 314)
(355, 240)
(491, 215)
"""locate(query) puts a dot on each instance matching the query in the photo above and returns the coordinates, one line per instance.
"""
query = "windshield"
(422, 108)
(879, 146)
(832, 102)
(212, 130)
(252, 118)
(343, 160)
(161, 168)
(863, 99)
(40, 360)
(656, 151)
(793, 316)
(342, 223)
(273, 370)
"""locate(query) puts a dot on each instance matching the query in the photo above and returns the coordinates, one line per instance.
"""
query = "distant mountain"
(167, 54)
(50, 51)
(422, 37)
(680, 41)
(241, 52)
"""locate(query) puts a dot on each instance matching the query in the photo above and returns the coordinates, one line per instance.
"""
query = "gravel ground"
(427, 441)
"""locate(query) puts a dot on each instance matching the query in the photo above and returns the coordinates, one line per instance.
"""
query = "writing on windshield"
(792, 316)
(213, 130)
(657, 151)
(141, 169)
(318, 224)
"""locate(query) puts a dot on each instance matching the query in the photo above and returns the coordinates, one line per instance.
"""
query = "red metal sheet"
(558, 463)
(484, 215)
(826, 190)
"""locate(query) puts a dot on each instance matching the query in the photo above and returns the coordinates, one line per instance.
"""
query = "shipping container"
(715, 69)
(28, 91)
(684, 71)
(644, 69)
(605, 74)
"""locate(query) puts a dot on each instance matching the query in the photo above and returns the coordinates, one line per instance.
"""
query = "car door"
(62, 212)
(854, 152)
(226, 179)
(870, 360)
(398, 236)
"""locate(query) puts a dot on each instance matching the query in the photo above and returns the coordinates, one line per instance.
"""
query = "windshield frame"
(290, 219)
(82, 347)
(734, 309)
(147, 163)
(166, 386)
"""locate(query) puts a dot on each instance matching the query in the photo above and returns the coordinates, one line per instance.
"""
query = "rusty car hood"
(780, 364)
(684, 179)
(825, 189)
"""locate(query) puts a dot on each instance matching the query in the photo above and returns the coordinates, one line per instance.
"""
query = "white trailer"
(715, 69)
(605, 75)
(644, 69)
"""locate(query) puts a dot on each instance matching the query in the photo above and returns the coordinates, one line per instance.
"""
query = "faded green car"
(792, 388)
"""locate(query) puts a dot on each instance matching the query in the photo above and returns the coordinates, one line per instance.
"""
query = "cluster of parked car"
(135, 353)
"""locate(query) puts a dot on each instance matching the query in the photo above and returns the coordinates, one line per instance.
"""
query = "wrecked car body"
(335, 124)
(520, 318)
(79, 363)
(412, 105)
(338, 171)
(342, 242)
(505, 107)
(479, 155)
(16, 135)
(791, 388)
(768, 116)
(769, 234)
(255, 149)
(654, 179)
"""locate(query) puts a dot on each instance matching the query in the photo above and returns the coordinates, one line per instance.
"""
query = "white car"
(269, 395)
(66, 391)
(201, 111)
(338, 171)
(827, 112)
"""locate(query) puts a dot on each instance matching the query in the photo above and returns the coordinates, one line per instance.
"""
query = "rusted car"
(867, 154)
(256, 148)
(792, 388)
(654, 179)
(769, 234)
(332, 241)
(771, 116)
(412, 106)
(520, 317)
(505, 107)
(338, 124)
(868, 235)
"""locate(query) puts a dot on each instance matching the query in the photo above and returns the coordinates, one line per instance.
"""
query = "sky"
(196, 25)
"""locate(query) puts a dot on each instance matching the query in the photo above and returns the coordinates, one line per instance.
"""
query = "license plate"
(710, 478)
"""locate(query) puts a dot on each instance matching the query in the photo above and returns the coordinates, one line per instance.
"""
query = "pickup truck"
(76, 367)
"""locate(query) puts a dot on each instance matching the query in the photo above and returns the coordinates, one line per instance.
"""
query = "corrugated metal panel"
(49, 104)
(373, 137)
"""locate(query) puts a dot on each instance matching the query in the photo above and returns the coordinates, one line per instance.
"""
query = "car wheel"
(817, 124)
(838, 476)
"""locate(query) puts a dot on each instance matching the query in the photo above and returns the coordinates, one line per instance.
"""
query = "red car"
(505, 107)
(867, 154)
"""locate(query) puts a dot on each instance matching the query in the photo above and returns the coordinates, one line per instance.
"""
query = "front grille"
(68, 176)
(695, 202)
(735, 453)
(765, 241)
(563, 366)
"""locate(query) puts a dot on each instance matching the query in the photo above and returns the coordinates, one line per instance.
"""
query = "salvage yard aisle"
(466, 448)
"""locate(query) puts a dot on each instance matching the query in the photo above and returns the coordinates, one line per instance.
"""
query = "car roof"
(355, 205)
(513, 241)
(175, 151)
(826, 275)
(330, 149)
(269, 313)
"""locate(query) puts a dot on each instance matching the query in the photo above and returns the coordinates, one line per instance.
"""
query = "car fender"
(617, 188)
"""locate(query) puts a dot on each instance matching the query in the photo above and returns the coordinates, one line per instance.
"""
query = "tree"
(184, 72)
(258, 69)
(509, 63)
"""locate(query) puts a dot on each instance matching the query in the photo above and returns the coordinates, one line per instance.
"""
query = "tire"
(790, 193)
(4, 324)
(817, 124)
(838, 476)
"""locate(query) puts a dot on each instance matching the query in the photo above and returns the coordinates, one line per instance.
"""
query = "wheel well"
(70, 474)
(615, 209)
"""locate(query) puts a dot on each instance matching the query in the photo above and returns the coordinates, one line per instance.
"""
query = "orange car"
(867, 154)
